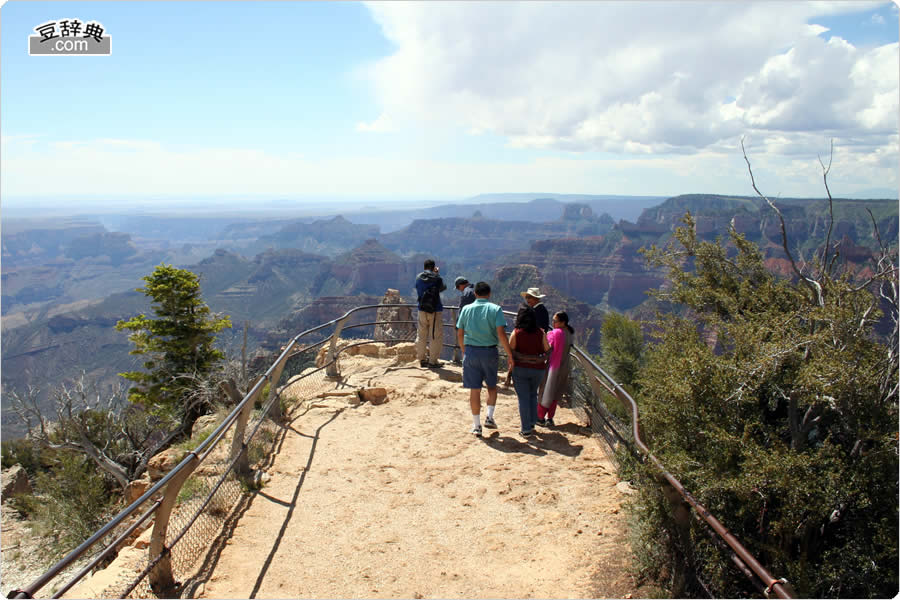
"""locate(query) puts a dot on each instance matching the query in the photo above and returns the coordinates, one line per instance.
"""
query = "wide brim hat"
(534, 293)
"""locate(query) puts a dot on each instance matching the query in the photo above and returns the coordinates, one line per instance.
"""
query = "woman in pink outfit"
(560, 339)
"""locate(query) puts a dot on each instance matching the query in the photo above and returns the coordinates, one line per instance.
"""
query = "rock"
(261, 478)
(396, 330)
(625, 488)
(404, 351)
(373, 396)
(135, 489)
(370, 350)
(143, 540)
(15, 482)
(204, 422)
(163, 462)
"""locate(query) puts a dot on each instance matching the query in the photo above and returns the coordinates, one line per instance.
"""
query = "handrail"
(780, 586)
(744, 560)
(192, 458)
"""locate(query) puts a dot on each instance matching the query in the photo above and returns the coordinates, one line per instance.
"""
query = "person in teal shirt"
(480, 326)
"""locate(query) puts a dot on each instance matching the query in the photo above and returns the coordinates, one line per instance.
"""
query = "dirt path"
(399, 500)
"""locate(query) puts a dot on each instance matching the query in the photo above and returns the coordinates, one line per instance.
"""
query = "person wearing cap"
(467, 290)
(533, 299)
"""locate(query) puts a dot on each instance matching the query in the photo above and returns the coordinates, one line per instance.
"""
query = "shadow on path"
(557, 442)
(510, 444)
(189, 588)
(293, 505)
(574, 429)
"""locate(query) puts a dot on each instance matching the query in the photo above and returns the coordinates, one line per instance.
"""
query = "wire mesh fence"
(213, 495)
(596, 411)
(216, 477)
(210, 498)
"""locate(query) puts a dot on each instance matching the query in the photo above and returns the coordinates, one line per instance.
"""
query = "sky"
(405, 100)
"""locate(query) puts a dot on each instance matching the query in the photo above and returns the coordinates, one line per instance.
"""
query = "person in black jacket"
(533, 299)
(431, 322)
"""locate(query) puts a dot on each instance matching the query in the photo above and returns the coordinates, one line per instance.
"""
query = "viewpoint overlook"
(374, 488)
(340, 467)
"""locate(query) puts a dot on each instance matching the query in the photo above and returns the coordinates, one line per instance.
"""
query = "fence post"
(275, 410)
(332, 369)
(242, 466)
(457, 354)
(161, 577)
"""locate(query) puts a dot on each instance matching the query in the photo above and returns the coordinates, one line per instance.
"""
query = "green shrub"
(192, 488)
(23, 452)
(71, 501)
(777, 410)
(191, 443)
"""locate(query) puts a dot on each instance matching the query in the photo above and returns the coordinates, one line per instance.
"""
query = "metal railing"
(602, 383)
(194, 501)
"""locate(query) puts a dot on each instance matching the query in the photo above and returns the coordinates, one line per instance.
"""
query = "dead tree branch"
(814, 286)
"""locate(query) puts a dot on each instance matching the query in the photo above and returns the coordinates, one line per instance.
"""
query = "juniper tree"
(100, 424)
(776, 404)
(623, 346)
(178, 343)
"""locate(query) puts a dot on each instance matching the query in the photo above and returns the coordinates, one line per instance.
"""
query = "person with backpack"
(429, 286)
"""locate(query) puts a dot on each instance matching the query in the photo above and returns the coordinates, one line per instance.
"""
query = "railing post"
(332, 369)
(242, 466)
(275, 412)
(161, 577)
(457, 351)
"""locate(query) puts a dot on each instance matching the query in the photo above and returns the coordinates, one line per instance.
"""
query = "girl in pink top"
(558, 368)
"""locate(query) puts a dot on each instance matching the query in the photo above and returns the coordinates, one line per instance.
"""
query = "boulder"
(15, 482)
(135, 489)
(143, 541)
(624, 487)
(204, 422)
(373, 396)
(163, 462)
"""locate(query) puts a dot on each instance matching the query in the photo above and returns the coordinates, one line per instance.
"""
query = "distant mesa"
(576, 212)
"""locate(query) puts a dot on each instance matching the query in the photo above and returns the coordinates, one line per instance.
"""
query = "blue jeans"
(527, 381)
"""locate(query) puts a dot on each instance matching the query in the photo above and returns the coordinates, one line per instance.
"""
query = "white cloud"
(383, 124)
(634, 77)
(877, 19)
(782, 164)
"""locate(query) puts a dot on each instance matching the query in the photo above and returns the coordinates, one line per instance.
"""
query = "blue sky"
(344, 99)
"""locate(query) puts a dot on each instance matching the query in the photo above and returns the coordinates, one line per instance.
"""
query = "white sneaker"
(490, 423)
(476, 430)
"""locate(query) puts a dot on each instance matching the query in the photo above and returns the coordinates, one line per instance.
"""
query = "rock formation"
(400, 317)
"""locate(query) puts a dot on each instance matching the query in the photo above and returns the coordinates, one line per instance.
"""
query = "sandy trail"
(399, 500)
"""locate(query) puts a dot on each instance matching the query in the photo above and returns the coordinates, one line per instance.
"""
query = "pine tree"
(178, 343)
